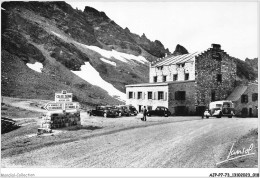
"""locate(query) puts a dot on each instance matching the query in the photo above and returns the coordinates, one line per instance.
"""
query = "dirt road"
(28, 104)
(193, 143)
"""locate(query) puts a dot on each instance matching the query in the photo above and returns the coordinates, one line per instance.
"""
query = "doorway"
(250, 112)
(140, 108)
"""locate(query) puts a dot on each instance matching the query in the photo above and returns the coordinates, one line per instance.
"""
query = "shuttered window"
(150, 95)
(130, 95)
(139, 95)
(160, 95)
(254, 96)
(244, 99)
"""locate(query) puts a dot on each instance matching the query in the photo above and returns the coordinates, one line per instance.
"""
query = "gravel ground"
(128, 142)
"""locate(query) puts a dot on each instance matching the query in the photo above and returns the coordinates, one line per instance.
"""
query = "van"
(220, 108)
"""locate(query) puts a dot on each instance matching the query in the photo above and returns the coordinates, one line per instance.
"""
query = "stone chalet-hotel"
(186, 84)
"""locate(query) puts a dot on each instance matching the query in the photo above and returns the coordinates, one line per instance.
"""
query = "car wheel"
(120, 114)
(219, 116)
(148, 114)
(166, 115)
(105, 115)
(229, 116)
(207, 117)
(90, 114)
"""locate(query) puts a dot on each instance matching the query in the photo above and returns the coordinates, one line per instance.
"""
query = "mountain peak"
(179, 50)
(127, 30)
(94, 12)
(143, 36)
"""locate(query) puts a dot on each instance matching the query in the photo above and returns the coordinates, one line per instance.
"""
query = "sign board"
(61, 106)
(53, 106)
(73, 105)
(63, 97)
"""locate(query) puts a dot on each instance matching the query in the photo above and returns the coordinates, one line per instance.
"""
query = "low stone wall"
(60, 120)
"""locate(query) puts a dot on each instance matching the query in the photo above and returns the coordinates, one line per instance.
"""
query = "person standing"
(145, 113)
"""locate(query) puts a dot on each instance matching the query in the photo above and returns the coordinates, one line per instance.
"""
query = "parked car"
(159, 111)
(106, 111)
(127, 110)
(130, 110)
(219, 109)
(117, 109)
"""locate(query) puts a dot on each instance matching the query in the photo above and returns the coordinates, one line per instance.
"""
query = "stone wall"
(189, 102)
(208, 65)
(170, 70)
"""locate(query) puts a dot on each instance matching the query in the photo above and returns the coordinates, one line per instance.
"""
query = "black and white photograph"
(129, 84)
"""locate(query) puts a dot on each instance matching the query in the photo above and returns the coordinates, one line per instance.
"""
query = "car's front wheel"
(148, 114)
(120, 114)
(105, 115)
(229, 116)
(219, 116)
(207, 117)
(166, 115)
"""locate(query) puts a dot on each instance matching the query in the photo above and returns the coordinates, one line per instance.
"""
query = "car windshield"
(226, 105)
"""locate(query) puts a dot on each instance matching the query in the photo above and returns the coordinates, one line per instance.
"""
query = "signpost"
(63, 96)
(52, 106)
(63, 101)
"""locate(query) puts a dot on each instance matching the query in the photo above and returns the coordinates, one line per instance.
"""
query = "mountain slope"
(63, 40)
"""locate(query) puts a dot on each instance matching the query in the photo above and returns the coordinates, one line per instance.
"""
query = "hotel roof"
(171, 60)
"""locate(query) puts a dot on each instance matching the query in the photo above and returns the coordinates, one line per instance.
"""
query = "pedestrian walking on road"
(145, 113)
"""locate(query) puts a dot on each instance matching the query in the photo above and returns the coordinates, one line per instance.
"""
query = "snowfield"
(117, 55)
(107, 61)
(37, 66)
(123, 57)
(89, 74)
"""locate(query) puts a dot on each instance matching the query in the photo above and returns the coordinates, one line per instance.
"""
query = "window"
(216, 56)
(160, 67)
(219, 78)
(164, 78)
(244, 99)
(150, 95)
(180, 95)
(187, 76)
(130, 95)
(160, 95)
(213, 96)
(175, 77)
(155, 79)
(139, 95)
(149, 108)
(254, 96)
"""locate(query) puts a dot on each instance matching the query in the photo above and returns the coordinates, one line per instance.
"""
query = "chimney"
(216, 46)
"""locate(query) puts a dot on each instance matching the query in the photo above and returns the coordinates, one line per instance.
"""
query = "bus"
(219, 109)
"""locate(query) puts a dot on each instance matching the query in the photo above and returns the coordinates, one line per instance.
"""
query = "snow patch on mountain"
(107, 61)
(89, 74)
(37, 66)
(115, 54)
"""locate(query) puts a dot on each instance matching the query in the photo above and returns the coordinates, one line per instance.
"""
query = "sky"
(194, 25)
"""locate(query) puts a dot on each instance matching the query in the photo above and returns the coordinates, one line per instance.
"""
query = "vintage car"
(219, 109)
(159, 111)
(127, 110)
(106, 111)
